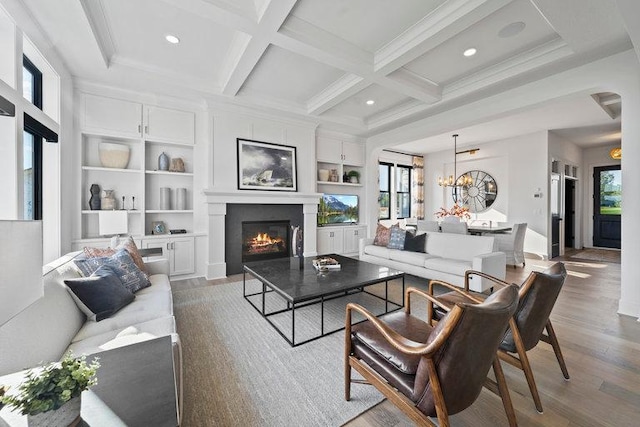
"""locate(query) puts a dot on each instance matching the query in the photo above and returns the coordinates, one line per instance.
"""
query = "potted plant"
(354, 176)
(51, 395)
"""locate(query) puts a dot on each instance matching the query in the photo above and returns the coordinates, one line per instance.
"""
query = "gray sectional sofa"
(447, 256)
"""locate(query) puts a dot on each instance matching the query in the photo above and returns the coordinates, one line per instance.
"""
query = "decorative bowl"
(114, 155)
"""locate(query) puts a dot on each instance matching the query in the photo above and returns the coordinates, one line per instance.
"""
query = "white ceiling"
(323, 59)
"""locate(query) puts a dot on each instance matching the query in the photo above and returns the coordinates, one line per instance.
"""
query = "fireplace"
(263, 240)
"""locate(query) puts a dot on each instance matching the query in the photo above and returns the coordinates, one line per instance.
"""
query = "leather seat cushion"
(406, 325)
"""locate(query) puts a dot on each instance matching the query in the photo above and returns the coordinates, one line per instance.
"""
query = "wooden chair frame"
(521, 361)
(408, 346)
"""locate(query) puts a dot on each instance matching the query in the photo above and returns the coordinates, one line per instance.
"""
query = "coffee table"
(300, 287)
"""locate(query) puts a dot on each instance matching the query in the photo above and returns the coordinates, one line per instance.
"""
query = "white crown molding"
(95, 14)
(335, 93)
(342, 136)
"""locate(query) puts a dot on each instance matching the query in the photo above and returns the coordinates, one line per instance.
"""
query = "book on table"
(326, 263)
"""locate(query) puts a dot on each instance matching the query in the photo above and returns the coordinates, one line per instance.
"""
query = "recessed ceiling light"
(371, 102)
(172, 39)
(511, 30)
(470, 52)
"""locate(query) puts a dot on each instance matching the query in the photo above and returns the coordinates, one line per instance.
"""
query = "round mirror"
(478, 193)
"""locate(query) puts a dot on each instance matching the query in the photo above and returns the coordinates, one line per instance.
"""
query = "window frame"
(37, 175)
(390, 189)
(36, 90)
(398, 192)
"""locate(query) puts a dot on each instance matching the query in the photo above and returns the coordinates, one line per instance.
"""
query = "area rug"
(602, 255)
(238, 371)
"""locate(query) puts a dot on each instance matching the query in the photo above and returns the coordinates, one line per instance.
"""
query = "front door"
(607, 207)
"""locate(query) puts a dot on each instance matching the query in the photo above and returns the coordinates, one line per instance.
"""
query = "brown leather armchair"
(431, 371)
(537, 296)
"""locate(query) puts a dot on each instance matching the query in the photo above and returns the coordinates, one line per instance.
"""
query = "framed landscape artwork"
(265, 166)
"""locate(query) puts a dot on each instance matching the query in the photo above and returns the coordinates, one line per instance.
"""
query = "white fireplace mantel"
(218, 200)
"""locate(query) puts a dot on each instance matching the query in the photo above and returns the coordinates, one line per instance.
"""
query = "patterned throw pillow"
(128, 272)
(128, 244)
(100, 295)
(382, 236)
(396, 240)
(415, 243)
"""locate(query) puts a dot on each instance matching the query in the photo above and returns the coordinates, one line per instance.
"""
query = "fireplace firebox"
(262, 240)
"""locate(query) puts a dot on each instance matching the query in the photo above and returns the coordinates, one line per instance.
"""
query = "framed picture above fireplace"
(266, 166)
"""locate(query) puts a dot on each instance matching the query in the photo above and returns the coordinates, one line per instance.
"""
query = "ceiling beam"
(343, 88)
(94, 12)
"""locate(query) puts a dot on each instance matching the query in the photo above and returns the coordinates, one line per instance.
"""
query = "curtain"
(417, 187)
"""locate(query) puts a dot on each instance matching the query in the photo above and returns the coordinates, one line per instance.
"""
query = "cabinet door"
(330, 241)
(158, 243)
(329, 150)
(115, 117)
(166, 125)
(183, 255)
(352, 154)
(352, 238)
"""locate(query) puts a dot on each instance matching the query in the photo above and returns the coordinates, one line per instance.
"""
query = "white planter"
(66, 415)
(323, 174)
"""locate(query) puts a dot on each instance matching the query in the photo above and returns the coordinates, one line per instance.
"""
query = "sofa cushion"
(448, 265)
(132, 277)
(379, 251)
(129, 244)
(125, 336)
(100, 295)
(415, 243)
(459, 246)
(412, 258)
(382, 236)
(147, 306)
(396, 240)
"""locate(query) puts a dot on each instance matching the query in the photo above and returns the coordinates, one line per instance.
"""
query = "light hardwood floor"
(601, 348)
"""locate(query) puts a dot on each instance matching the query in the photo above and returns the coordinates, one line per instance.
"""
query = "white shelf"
(177, 144)
(345, 184)
(102, 169)
(129, 211)
(152, 172)
(168, 211)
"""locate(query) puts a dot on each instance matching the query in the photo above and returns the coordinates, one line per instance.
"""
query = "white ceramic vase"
(66, 415)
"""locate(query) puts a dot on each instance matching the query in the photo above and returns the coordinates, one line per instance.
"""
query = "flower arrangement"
(456, 210)
(53, 386)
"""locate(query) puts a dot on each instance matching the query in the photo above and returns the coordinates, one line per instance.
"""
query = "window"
(403, 191)
(31, 82)
(395, 190)
(34, 135)
(384, 199)
(32, 171)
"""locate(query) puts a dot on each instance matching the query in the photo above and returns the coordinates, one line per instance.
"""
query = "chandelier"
(461, 181)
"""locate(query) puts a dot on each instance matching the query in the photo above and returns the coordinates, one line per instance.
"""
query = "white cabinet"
(340, 240)
(339, 156)
(352, 154)
(167, 125)
(113, 117)
(330, 241)
(180, 251)
(352, 236)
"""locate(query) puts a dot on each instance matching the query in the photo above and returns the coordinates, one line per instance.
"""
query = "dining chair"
(512, 244)
(431, 370)
(537, 296)
(454, 227)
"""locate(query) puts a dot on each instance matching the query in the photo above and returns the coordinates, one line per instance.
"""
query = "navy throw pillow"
(100, 295)
(131, 276)
(415, 243)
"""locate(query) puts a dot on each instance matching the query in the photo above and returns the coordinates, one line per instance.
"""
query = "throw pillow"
(100, 295)
(396, 241)
(128, 272)
(129, 244)
(382, 236)
(415, 243)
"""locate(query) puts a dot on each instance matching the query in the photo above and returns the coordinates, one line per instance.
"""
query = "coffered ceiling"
(324, 59)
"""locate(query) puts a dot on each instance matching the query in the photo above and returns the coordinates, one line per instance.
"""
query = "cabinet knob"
(356, 232)
(139, 128)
